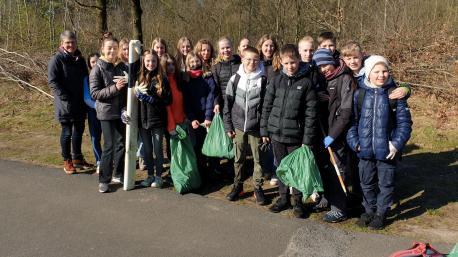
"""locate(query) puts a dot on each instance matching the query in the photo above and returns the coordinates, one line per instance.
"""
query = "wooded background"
(418, 36)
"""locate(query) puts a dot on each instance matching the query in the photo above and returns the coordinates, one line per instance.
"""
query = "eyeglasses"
(251, 60)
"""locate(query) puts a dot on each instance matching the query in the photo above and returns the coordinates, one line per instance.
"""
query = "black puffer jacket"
(340, 89)
(154, 115)
(66, 75)
(269, 70)
(109, 100)
(222, 72)
(289, 109)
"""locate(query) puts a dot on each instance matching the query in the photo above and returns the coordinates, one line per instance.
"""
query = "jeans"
(377, 184)
(113, 150)
(242, 141)
(95, 129)
(71, 138)
(280, 151)
(152, 143)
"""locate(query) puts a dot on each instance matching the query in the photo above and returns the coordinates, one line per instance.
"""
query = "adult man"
(66, 72)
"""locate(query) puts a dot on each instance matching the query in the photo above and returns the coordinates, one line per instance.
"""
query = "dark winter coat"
(242, 108)
(66, 75)
(109, 99)
(340, 90)
(269, 69)
(372, 129)
(289, 109)
(154, 115)
(198, 98)
(222, 72)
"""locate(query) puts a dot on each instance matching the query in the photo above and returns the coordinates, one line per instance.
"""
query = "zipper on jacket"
(284, 102)
(373, 121)
(246, 104)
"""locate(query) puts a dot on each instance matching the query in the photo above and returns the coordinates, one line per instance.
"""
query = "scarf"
(195, 73)
(339, 69)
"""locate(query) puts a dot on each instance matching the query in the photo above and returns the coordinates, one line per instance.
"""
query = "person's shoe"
(377, 223)
(116, 180)
(365, 219)
(157, 182)
(259, 196)
(274, 181)
(141, 163)
(299, 210)
(82, 164)
(322, 205)
(334, 216)
(280, 205)
(236, 192)
(147, 182)
(103, 187)
(98, 169)
(68, 167)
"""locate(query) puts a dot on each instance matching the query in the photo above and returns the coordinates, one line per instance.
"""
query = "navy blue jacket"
(66, 75)
(198, 97)
(371, 129)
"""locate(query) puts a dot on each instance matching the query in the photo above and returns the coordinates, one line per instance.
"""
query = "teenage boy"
(340, 87)
(328, 41)
(289, 118)
(378, 133)
(242, 111)
(353, 56)
(306, 49)
(66, 72)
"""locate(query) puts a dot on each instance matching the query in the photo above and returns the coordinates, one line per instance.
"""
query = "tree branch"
(88, 6)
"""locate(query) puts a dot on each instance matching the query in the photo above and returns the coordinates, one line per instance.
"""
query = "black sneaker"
(298, 210)
(279, 205)
(334, 216)
(365, 219)
(322, 205)
(259, 196)
(236, 192)
(377, 223)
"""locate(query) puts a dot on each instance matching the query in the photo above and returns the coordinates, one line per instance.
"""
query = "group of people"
(272, 100)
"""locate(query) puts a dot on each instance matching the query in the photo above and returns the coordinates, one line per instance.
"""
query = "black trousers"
(113, 132)
(70, 139)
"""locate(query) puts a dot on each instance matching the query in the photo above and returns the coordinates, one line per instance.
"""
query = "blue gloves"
(328, 141)
(144, 97)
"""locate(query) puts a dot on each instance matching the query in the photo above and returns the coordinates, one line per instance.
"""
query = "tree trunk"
(136, 11)
(102, 16)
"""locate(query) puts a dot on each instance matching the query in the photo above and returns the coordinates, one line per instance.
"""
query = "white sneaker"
(157, 182)
(116, 180)
(274, 182)
(98, 169)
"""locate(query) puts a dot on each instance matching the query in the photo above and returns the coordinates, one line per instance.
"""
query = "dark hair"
(107, 36)
(251, 49)
(327, 35)
(289, 50)
(89, 59)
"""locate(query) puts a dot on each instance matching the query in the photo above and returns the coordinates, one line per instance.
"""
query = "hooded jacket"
(66, 75)
(289, 109)
(198, 98)
(109, 99)
(242, 108)
(371, 129)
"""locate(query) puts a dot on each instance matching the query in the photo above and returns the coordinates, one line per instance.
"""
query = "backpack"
(418, 250)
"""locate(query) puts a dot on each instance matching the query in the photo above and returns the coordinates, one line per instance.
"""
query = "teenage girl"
(243, 44)
(159, 46)
(184, 46)
(94, 124)
(204, 50)
(111, 98)
(124, 50)
(153, 91)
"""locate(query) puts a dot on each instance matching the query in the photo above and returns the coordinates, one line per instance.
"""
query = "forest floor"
(426, 184)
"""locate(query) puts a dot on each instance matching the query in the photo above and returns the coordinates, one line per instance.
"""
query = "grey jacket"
(109, 100)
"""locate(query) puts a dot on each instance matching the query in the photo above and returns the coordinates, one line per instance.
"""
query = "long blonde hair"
(179, 56)
(276, 63)
(219, 58)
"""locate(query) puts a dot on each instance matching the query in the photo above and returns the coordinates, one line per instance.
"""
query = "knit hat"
(323, 56)
(373, 60)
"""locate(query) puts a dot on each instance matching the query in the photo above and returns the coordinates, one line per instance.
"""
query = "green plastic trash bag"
(183, 166)
(217, 143)
(299, 170)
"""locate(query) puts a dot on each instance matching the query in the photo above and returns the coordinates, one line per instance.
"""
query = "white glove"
(142, 88)
(125, 77)
(393, 151)
(124, 117)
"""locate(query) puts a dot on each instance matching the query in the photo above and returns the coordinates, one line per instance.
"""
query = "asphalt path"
(44, 212)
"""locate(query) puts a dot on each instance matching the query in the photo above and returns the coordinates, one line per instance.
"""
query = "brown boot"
(82, 164)
(68, 167)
